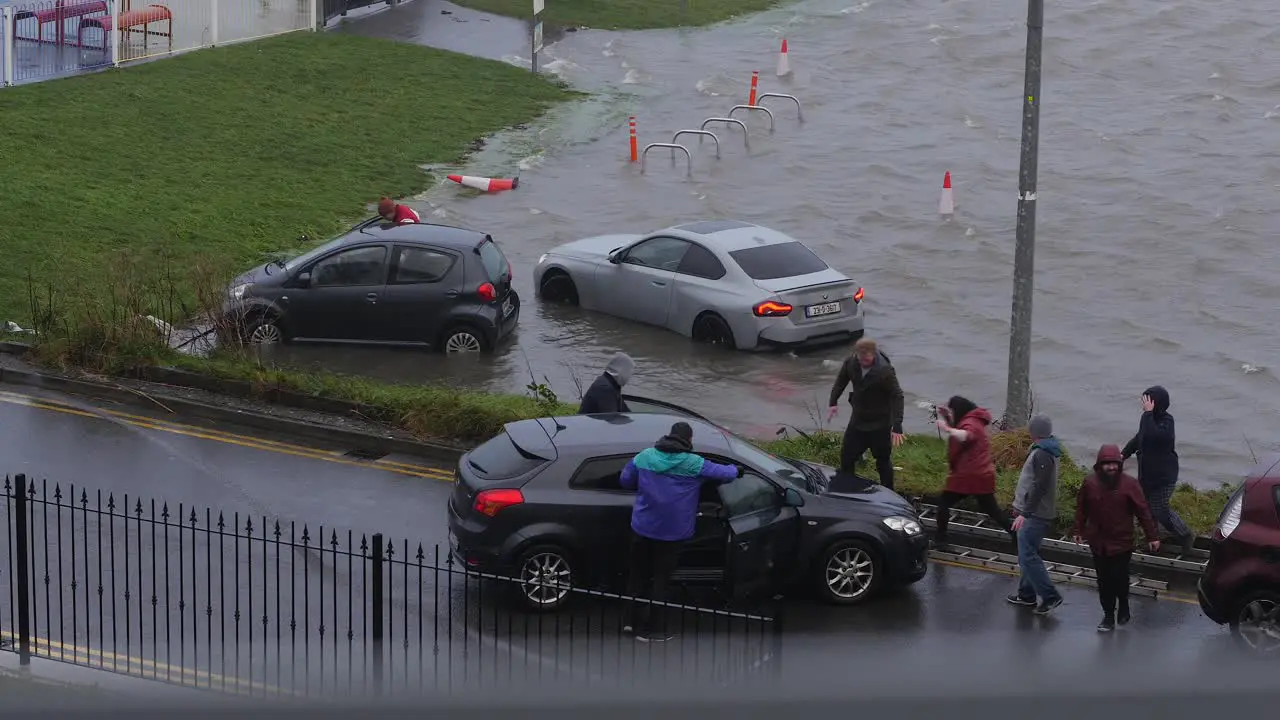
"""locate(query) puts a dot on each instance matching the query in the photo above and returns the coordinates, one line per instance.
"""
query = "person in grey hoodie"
(605, 394)
(1035, 503)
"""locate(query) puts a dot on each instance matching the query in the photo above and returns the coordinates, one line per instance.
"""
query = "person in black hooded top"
(1158, 462)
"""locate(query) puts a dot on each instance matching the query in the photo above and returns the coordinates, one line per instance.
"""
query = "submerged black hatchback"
(541, 503)
(382, 284)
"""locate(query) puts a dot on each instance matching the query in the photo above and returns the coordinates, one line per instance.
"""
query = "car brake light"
(1230, 519)
(769, 308)
(489, 502)
(487, 292)
(857, 297)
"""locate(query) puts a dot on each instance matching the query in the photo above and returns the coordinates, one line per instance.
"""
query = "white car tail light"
(1230, 518)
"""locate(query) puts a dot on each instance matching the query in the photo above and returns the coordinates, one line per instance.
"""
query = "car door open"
(763, 531)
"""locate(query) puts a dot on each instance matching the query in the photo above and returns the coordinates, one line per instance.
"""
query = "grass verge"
(235, 151)
(625, 14)
(923, 463)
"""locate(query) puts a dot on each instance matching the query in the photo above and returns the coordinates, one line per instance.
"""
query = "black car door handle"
(452, 293)
(371, 297)
(659, 283)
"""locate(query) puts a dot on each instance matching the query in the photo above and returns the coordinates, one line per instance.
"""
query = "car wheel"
(849, 572)
(557, 286)
(463, 339)
(263, 330)
(1256, 624)
(713, 330)
(544, 578)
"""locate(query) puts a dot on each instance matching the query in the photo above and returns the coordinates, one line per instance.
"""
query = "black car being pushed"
(541, 502)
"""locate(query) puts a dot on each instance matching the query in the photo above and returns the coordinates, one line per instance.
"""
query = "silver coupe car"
(723, 282)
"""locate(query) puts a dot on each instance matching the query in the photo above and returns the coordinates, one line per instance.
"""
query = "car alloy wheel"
(462, 341)
(850, 572)
(545, 579)
(713, 330)
(1258, 624)
(265, 332)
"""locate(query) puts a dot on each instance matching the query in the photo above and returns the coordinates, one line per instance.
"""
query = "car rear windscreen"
(495, 263)
(768, 262)
(501, 459)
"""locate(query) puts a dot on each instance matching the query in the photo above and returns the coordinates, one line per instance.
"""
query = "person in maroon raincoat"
(1106, 507)
(970, 470)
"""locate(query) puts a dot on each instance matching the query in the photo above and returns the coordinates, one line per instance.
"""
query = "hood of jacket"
(670, 456)
(976, 415)
(1049, 445)
(1108, 453)
(1159, 397)
(620, 368)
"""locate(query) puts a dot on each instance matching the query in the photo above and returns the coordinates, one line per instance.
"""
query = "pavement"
(159, 610)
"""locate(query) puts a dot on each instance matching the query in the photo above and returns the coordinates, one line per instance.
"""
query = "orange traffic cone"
(486, 184)
(946, 203)
(784, 65)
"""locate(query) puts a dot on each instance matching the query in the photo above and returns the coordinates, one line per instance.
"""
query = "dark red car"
(1241, 582)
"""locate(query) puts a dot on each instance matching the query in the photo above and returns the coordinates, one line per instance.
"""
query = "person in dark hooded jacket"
(1106, 506)
(970, 470)
(605, 394)
(1158, 463)
(668, 480)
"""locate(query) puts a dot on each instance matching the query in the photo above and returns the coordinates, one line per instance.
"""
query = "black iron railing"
(264, 607)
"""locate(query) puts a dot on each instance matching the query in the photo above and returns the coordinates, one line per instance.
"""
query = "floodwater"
(1158, 179)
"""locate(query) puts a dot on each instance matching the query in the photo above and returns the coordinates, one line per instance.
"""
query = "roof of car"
(422, 232)
(610, 433)
(732, 235)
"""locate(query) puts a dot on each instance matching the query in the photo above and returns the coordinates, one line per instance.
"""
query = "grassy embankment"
(140, 191)
(625, 14)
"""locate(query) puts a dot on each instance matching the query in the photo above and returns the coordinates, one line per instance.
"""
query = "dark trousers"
(986, 503)
(652, 564)
(858, 442)
(1113, 582)
(1158, 500)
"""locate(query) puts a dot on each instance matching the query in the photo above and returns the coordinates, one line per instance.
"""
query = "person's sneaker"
(1016, 599)
(1107, 625)
(654, 637)
(1122, 617)
(1047, 606)
(628, 630)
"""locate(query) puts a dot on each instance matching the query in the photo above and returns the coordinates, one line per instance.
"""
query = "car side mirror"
(615, 256)
(792, 498)
(303, 280)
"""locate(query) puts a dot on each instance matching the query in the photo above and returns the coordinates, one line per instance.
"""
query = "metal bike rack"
(687, 157)
(754, 107)
(730, 121)
(792, 98)
(700, 134)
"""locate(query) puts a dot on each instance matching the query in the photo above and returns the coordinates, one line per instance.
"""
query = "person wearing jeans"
(1035, 502)
(668, 480)
(1108, 503)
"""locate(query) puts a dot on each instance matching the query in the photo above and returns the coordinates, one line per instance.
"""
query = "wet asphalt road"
(457, 625)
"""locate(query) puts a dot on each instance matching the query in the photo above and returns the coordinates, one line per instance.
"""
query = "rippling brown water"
(1158, 179)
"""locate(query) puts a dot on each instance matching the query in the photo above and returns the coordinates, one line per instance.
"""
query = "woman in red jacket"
(970, 471)
(1106, 507)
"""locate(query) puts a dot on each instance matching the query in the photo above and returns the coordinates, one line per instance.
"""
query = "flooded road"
(1158, 181)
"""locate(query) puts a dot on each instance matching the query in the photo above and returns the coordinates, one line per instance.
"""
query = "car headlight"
(237, 292)
(903, 524)
(542, 259)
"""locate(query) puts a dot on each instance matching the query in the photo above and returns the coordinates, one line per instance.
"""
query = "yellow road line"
(228, 438)
(1160, 594)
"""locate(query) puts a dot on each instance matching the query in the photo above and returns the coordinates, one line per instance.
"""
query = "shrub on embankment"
(234, 152)
(625, 14)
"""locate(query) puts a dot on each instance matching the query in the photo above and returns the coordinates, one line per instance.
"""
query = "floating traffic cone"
(486, 184)
(755, 81)
(784, 66)
(947, 203)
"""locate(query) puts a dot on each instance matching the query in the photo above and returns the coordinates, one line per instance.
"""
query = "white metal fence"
(45, 39)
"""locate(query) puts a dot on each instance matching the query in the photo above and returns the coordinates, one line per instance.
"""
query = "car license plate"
(823, 309)
(507, 306)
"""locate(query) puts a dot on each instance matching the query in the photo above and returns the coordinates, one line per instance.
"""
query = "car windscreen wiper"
(810, 480)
